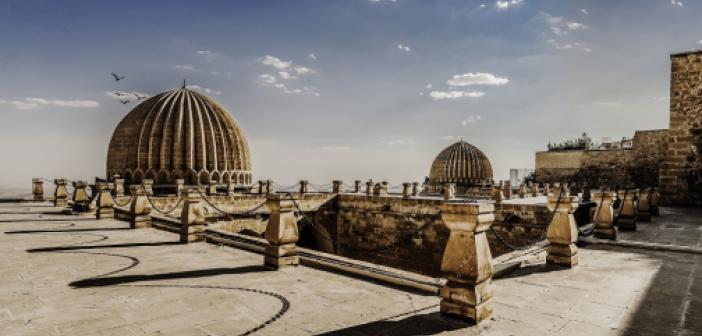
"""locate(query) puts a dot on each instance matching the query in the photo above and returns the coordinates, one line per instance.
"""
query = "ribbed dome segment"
(179, 134)
(460, 163)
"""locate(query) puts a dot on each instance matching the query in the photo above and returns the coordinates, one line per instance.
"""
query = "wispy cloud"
(186, 67)
(584, 11)
(285, 71)
(134, 95)
(577, 46)
(451, 95)
(204, 89)
(506, 4)
(404, 48)
(35, 102)
(393, 142)
(478, 78)
(676, 3)
(312, 56)
(470, 120)
(382, 0)
(560, 26)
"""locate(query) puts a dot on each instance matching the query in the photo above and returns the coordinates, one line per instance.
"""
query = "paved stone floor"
(69, 275)
(677, 226)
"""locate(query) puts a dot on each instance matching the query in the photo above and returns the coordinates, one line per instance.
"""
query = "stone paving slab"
(148, 285)
(681, 226)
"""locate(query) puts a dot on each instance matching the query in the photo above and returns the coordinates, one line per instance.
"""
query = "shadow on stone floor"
(532, 269)
(416, 324)
(66, 231)
(44, 220)
(124, 279)
(90, 247)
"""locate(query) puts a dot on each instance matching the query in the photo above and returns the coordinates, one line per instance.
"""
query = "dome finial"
(183, 83)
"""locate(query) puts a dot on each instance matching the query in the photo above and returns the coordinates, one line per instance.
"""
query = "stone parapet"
(192, 217)
(281, 233)
(562, 232)
(37, 189)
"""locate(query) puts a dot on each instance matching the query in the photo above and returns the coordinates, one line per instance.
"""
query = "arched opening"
(150, 175)
(216, 177)
(138, 177)
(315, 237)
(240, 179)
(204, 177)
(163, 178)
(225, 177)
(190, 178)
(128, 177)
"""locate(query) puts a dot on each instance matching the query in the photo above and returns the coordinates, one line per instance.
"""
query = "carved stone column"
(604, 216)
(139, 208)
(497, 195)
(81, 201)
(192, 217)
(369, 188)
(337, 186)
(357, 186)
(149, 186)
(37, 189)
(415, 189)
(507, 189)
(104, 202)
(562, 232)
(627, 210)
(522, 191)
(60, 193)
(654, 202)
(119, 187)
(281, 233)
(644, 206)
(304, 187)
(406, 190)
(179, 186)
(449, 191)
(467, 262)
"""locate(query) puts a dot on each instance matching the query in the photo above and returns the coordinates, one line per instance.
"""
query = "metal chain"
(129, 200)
(530, 243)
(226, 212)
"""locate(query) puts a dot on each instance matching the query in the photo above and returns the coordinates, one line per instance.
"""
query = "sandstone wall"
(681, 173)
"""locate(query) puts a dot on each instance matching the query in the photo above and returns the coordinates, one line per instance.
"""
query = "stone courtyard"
(74, 275)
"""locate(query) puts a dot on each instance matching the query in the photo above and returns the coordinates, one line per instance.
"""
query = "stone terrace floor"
(70, 275)
(676, 226)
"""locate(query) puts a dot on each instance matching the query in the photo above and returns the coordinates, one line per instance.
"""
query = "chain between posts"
(530, 243)
(125, 203)
(226, 212)
(180, 200)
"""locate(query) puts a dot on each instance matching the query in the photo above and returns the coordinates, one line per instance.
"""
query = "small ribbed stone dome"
(179, 134)
(460, 163)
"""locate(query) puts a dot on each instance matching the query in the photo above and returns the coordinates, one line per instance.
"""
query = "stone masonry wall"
(681, 173)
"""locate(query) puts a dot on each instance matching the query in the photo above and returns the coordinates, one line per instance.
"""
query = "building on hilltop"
(179, 134)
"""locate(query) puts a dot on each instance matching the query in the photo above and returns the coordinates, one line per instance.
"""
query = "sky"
(353, 89)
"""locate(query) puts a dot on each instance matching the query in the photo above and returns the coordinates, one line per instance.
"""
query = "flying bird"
(124, 101)
(118, 94)
(117, 77)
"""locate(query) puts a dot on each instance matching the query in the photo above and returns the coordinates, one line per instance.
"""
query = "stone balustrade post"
(627, 210)
(337, 186)
(357, 186)
(37, 189)
(604, 216)
(522, 191)
(406, 190)
(261, 187)
(507, 189)
(380, 189)
(587, 193)
(139, 208)
(281, 233)
(573, 190)
(60, 193)
(369, 187)
(497, 195)
(557, 189)
(269, 187)
(644, 205)
(547, 189)
(415, 189)
(467, 262)
(104, 202)
(81, 200)
(562, 232)
(449, 191)
(211, 187)
(192, 217)
(231, 185)
(119, 187)
(148, 186)
(304, 187)
(179, 186)
(654, 202)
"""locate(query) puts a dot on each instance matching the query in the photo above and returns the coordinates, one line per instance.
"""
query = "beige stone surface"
(149, 284)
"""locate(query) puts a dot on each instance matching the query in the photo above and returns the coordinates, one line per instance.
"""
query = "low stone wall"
(519, 225)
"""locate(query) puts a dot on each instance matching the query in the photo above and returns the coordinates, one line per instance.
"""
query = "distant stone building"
(462, 164)
(668, 158)
(179, 134)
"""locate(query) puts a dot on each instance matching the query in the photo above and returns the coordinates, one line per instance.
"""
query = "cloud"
(275, 62)
(699, 42)
(576, 46)
(285, 70)
(382, 0)
(506, 4)
(204, 89)
(394, 142)
(584, 11)
(186, 67)
(559, 26)
(218, 73)
(285, 75)
(470, 120)
(312, 56)
(403, 48)
(208, 54)
(676, 3)
(119, 95)
(34, 102)
(267, 79)
(479, 78)
(451, 95)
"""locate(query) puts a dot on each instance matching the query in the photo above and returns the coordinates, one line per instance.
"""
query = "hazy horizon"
(348, 90)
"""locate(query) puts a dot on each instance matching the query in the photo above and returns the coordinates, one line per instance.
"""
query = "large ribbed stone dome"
(461, 163)
(179, 134)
